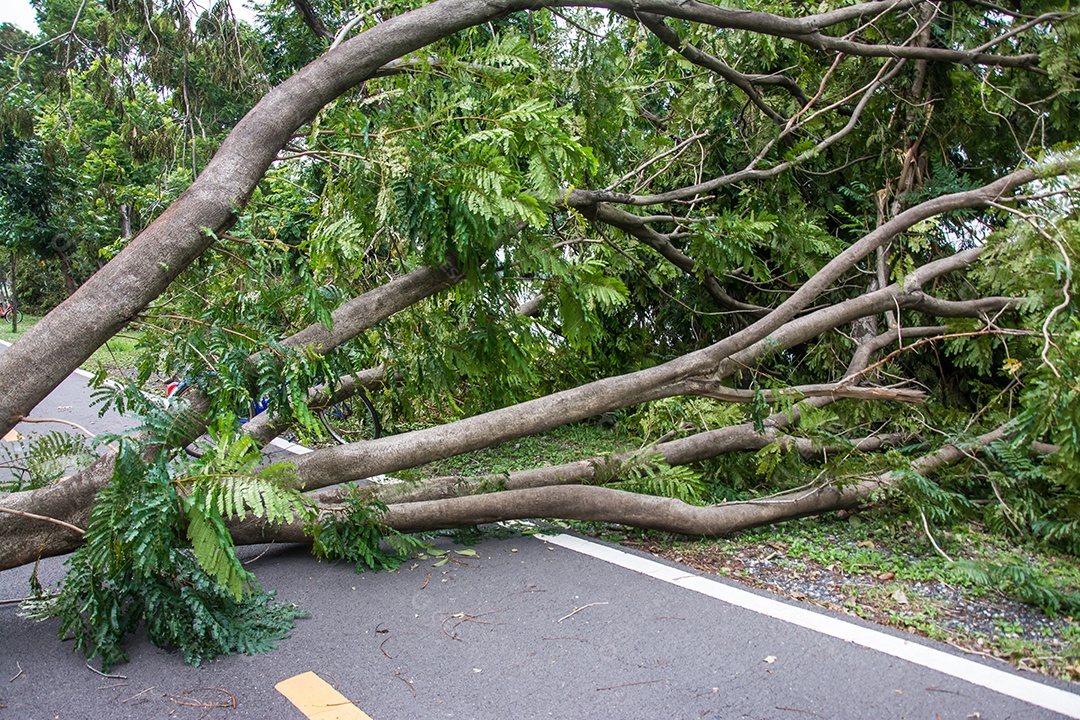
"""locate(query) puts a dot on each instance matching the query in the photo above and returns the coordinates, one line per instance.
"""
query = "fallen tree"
(481, 237)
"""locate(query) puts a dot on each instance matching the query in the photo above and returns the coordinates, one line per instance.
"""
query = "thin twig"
(18, 674)
(579, 609)
(230, 703)
(926, 527)
(43, 518)
(75, 425)
(248, 562)
(105, 675)
(1065, 290)
(407, 682)
(642, 682)
(14, 601)
(138, 694)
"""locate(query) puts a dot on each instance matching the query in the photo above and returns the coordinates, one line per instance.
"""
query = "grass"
(117, 355)
(555, 447)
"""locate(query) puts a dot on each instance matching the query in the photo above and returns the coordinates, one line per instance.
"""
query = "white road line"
(1006, 683)
(292, 447)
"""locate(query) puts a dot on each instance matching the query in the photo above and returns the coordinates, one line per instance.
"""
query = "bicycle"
(6, 309)
(340, 421)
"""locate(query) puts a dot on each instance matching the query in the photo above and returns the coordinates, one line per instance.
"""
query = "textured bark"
(702, 446)
(597, 504)
(364, 311)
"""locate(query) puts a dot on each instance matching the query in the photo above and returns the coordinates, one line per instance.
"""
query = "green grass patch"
(565, 444)
(25, 324)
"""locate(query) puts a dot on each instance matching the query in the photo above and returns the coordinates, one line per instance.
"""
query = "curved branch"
(806, 30)
(598, 504)
(670, 38)
(636, 227)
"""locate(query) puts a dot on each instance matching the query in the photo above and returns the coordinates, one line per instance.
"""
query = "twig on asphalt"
(642, 682)
(579, 609)
(230, 703)
(18, 674)
(13, 601)
(138, 694)
(105, 675)
(462, 618)
(75, 425)
(398, 675)
(248, 562)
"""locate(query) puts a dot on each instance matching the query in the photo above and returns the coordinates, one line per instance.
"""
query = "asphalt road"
(527, 628)
(69, 402)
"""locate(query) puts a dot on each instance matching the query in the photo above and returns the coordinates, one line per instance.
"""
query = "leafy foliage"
(157, 552)
(43, 459)
(467, 155)
(647, 473)
(354, 533)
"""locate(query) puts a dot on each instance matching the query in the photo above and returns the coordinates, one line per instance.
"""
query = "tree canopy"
(810, 255)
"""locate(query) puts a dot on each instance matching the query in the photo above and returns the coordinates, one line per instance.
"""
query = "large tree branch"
(598, 504)
(312, 20)
(677, 377)
(806, 30)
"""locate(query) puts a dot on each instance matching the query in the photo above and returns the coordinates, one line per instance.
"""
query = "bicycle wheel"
(346, 423)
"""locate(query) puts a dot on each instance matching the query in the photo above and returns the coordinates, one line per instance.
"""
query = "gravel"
(976, 621)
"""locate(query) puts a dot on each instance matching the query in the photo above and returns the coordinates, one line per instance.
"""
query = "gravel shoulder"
(893, 580)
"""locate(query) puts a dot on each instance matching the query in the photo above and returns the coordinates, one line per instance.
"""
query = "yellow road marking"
(314, 697)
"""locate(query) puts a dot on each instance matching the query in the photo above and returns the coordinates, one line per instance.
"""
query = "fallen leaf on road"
(886, 576)
(770, 659)
(900, 597)
(866, 544)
